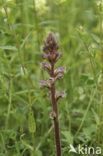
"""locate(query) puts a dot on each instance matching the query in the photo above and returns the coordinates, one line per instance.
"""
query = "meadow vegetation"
(25, 125)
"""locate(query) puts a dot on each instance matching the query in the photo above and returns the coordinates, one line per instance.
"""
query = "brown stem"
(55, 109)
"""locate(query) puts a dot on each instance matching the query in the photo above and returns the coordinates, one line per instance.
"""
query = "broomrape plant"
(52, 55)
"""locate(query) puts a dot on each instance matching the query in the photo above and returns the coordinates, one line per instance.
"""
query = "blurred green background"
(24, 25)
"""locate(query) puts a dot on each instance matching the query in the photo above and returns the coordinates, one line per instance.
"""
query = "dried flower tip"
(52, 115)
(44, 84)
(60, 94)
(45, 66)
(51, 45)
(60, 70)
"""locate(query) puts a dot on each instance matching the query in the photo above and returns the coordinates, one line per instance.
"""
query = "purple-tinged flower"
(60, 94)
(44, 56)
(52, 80)
(45, 84)
(59, 76)
(60, 70)
(46, 66)
(48, 57)
(58, 57)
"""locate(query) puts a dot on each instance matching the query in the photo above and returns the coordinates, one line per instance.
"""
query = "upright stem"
(55, 109)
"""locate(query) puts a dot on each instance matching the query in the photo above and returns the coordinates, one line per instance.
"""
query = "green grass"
(25, 126)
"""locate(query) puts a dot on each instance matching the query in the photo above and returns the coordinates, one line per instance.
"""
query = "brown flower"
(51, 45)
(60, 94)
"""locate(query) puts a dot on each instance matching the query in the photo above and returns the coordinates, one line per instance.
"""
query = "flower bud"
(51, 45)
(46, 66)
(59, 55)
(45, 84)
(59, 76)
(60, 70)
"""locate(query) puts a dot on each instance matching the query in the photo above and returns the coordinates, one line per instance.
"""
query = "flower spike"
(52, 55)
(51, 45)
